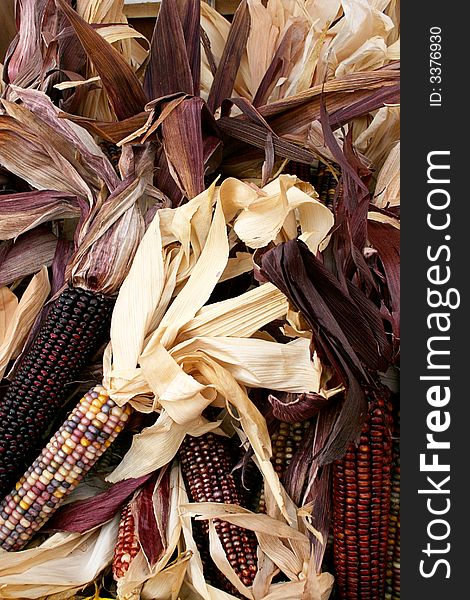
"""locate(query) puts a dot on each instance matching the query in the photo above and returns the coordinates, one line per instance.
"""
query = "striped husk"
(361, 507)
(76, 325)
(207, 462)
(87, 432)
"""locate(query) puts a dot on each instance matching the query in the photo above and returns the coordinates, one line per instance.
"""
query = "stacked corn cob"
(207, 462)
(393, 556)
(87, 432)
(361, 505)
(74, 328)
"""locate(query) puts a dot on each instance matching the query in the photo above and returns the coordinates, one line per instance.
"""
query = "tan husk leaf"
(65, 561)
(168, 356)
(17, 318)
(387, 188)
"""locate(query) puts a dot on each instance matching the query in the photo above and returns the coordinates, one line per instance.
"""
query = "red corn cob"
(71, 333)
(361, 505)
(393, 566)
(207, 462)
(127, 545)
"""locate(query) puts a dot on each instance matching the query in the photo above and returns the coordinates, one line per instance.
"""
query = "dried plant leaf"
(385, 238)
(22, 320)
(84, 515)
(139, 295)
(108, 239)
(242, 517)
(292, 408)
(24, 62)
(227, 69)
(182, 141)
(219, 557)
(163, 501)
(237, 317)
(166, 585)
(26, 255)
(122, 86)
(169, 67)
(250, 361)
(387, 189)
(33, 159)
(8, 307)
(95, 161)
(263, 214)
(110, 131)
(351, 47)
(152, 510)
(164, 437)
(65, 561)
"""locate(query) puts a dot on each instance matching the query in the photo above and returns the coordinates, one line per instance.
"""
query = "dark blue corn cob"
(76, 325)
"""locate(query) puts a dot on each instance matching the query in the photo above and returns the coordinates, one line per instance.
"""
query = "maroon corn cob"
(393, 565)
(207, 462)
(127, 545)
(71, 452)
(361, 506)
(71, 333)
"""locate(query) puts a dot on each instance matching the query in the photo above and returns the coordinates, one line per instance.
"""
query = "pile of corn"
(140, 205)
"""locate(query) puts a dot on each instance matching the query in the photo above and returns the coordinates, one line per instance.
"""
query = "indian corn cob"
(285, 442)
(127, 545)
(207, 462)
(325, 185)
(393, 565)
(361, 507)
(301, 170)
(87, 432)
(73, 329)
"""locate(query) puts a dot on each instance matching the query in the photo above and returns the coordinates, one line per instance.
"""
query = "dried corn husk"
(65, 562)
(123, 38)
(282, 546)
(17, 317)
(387, 188)
(153, 356)
(2, 84)
(381, 135)
(154, 576)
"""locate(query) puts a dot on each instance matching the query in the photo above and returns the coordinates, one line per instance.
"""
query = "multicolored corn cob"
(207, 462)
(127, 545)
(74, 328)
(392, 591)
(301, 170)
(87, 432)
(112, 152)
(325, 184)
(285, 441)
(361, 507)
